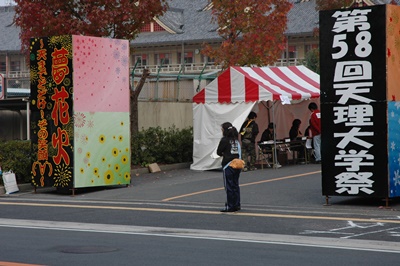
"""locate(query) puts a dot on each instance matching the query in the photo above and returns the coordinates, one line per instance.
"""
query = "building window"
(2, 67)
(157, 27)
(162, 59)
(152, 27)
(208, 60)
(309, 47)
(141, 60)
(15, 66)
(292, 51)
(146, 28)
(187, 59)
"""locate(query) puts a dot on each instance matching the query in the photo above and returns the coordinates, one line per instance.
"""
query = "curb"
(134, 172)
(22, 188)
(166, 167)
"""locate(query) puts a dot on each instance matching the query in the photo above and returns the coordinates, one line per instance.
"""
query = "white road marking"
(317, 242)
(372, 232)
(353, 225)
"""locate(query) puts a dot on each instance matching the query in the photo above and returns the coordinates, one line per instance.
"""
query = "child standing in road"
(229, 148)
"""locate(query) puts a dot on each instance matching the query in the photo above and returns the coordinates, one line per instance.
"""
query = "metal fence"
(167, 82)
(16, 87)
(164, 89)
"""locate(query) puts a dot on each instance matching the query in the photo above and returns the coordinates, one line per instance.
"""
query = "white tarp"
(236, 92)
(207, 121)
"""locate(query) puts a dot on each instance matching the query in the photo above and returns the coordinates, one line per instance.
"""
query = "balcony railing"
(290, 62)
(16, 74)
(194, 68)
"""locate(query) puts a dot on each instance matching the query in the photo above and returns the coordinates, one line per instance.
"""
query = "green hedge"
(157, 145)
(15, 155)
(154, 145)
(312, 60)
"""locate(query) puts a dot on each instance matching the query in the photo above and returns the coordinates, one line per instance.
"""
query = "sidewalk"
(27, 187)
(292, 186)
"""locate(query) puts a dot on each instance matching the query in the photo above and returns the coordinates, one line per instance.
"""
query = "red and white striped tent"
(239, 90)
(251, 84)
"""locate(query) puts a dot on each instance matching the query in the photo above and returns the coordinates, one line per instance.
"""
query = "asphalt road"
(45, 243)
(173, 218)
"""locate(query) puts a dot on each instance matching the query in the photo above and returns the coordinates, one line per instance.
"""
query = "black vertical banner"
(51, 111)
(353, 102)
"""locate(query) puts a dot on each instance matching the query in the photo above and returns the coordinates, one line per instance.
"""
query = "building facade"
(170, 44)
(170, 47)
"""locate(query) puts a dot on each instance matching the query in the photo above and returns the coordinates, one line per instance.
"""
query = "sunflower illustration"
(109, 177)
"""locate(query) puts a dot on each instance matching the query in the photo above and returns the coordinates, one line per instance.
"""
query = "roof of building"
(185, 21)
(9, 33)
(194, 25)
(198, 26)
(173, 19)
(302, 18)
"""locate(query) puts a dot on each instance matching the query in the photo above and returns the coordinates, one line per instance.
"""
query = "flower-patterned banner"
(394, 148)
(393, 97)
(51, 111)
(80, 115)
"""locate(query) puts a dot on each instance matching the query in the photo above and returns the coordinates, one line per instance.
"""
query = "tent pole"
(269, 113)
(275, 152)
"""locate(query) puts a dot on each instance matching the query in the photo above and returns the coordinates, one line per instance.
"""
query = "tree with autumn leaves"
(121, 19)
(252, 31)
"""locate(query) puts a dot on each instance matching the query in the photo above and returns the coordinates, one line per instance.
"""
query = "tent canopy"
(252, 84)
(239, 90)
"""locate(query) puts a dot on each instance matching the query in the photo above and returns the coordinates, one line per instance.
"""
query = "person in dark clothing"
(249, 132)
(295, 134)
(229, 148)
(268, 134)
